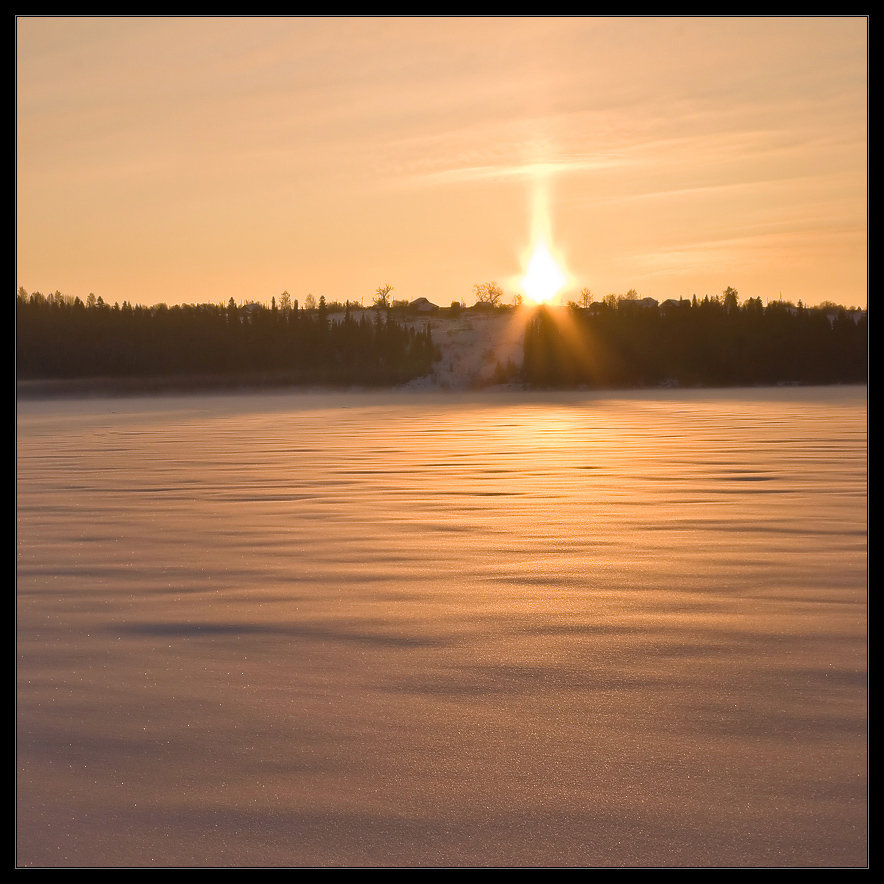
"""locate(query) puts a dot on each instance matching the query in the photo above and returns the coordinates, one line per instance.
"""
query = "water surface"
(402, 629)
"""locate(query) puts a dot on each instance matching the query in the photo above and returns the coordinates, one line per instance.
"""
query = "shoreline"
(97, 388)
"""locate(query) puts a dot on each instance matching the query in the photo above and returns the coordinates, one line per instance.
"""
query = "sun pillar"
(544, 276)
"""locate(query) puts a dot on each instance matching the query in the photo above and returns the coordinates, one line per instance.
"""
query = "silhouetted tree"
(382, 297)
(488, 293)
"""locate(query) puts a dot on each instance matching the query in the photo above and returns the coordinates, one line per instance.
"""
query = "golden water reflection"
(398, 629)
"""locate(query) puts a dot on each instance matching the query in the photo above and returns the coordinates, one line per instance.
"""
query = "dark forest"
(60, 338)
(619, 342)
(710, 342)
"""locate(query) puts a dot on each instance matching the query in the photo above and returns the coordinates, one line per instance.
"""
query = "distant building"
(422, 305)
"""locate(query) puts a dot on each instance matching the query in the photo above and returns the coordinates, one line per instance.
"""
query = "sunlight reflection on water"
(568, 629)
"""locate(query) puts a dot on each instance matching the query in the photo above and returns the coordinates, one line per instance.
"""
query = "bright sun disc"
(544, 277)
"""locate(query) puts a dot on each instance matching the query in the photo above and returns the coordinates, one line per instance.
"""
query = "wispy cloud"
(650, 137)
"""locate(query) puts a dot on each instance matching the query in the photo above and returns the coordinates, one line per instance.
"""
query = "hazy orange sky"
(199, 159)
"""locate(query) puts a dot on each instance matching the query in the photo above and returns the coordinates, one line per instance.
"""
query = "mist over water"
(402, 629)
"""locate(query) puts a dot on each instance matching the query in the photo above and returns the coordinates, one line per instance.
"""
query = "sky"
(191, 160)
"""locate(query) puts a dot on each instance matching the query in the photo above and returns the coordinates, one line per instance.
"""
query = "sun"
(544, 278)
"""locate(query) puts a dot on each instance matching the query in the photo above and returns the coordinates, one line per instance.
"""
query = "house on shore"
(422, 305)
(671, 303)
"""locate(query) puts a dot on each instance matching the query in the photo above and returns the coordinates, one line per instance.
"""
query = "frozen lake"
(401, 629)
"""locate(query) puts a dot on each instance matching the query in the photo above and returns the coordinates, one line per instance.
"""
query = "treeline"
(711, 342)
(62, 338)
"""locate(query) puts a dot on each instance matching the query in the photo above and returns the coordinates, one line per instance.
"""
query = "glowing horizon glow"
(335, 154)
(544, 278)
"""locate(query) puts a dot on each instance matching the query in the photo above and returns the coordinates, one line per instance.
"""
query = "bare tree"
(488, 293)
(382, 296)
